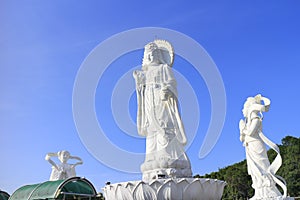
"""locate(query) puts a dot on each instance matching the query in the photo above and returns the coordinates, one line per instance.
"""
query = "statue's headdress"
(164, 49)
(257, 103)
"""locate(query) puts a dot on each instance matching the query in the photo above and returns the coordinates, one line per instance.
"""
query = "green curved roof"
(74, 187)
(3, 195)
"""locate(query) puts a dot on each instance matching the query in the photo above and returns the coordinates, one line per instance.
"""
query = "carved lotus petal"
(208, 189)
(163, 189)
(169, 190)
(155, 185)
(123, 193)
(193, 191)
(129, 185)
(143, 191)
(181, 184)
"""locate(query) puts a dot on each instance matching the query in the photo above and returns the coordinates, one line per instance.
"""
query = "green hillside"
(239, 182)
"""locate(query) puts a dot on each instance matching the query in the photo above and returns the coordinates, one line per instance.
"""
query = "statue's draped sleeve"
(168, 82)
(140, 92)
(173, 104)
(277, 162)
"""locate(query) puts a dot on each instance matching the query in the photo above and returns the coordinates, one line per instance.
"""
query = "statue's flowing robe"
(62, 171)
(158, 117)
(152, 109)
(259, 167)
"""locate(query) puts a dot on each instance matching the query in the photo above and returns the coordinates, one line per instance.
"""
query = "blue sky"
(255, 45)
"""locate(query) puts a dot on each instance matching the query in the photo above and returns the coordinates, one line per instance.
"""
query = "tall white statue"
(62, 170)
(166, 170)
(158, 117)
(261, 171)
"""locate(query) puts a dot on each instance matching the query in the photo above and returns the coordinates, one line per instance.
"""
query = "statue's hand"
(242, 137)
(139, 78)
(164, 94)
(242, 125)
(135, 74)
(138, 75)
(47, 157)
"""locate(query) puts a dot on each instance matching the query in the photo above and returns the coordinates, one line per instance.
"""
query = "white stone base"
(163, 189)
(274, 198)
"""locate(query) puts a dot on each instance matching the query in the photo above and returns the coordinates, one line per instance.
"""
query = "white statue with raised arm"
(62, 170)
(262, 172)
(158, 118)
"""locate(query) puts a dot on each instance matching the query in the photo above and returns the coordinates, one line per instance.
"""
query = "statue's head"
(256, 104)
(63, 156)
(158, 52)
(152, 54)
(250, 101)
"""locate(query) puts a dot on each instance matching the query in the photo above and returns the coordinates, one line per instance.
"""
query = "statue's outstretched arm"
(48, 158)
(77, 158)
(139, 79)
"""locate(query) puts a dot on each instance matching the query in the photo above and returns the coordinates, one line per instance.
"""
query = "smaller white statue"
(62, 170)
(262, 172)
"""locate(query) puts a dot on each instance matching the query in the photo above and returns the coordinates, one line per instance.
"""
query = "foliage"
(239, 182)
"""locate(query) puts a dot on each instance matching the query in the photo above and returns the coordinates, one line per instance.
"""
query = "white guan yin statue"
(166, 170)
(261, 170)
(158, 118)
(62, 170)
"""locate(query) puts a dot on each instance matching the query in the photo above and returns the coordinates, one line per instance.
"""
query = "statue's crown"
(151, 46)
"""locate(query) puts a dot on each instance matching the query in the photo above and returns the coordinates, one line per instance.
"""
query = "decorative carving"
(180, 188)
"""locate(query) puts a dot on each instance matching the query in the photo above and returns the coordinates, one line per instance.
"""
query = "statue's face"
(64, 156)
(152, 57)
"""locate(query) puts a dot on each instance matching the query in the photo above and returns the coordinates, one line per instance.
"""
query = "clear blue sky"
(255, 45)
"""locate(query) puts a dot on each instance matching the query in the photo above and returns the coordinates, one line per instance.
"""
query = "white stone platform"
(163, 189)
